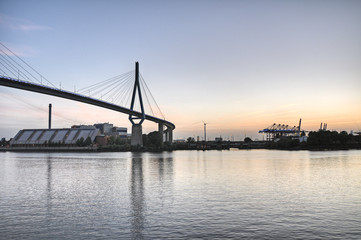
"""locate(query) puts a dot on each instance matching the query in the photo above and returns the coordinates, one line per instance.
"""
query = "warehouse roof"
(62, 135)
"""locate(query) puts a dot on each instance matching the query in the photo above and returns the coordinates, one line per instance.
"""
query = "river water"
(258, 194)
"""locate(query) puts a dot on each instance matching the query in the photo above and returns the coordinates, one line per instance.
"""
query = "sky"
(239, 66)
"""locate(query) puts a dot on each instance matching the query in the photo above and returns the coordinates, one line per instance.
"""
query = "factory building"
(121, 132)
(43, 137)
(107, 129)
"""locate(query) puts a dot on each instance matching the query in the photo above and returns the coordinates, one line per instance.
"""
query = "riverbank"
(121, 148)
(48, 149)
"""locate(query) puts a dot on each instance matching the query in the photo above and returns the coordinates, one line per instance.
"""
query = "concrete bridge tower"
(137, 134)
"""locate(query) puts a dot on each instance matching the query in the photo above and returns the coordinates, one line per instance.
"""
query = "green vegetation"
(320, 140)
(247, 140)
(4, 143)
(116, 144)
(153, 141)
(333, 140)
(82, 143)
(286, 143)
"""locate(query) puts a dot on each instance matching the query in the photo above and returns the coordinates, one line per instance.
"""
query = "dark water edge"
(121, 149)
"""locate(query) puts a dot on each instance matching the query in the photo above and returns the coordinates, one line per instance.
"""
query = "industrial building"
(281, 130)
(108, 129)
(43, 137)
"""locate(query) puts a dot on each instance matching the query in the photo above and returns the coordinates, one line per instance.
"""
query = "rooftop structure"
(67, 136)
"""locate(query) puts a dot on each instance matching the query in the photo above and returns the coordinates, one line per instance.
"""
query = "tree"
(112, 140)
(80, 142)
(87, 141)
(190, 140)
(247, 140)
(155, 138)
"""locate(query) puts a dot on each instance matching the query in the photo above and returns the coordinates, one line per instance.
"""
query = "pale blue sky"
(239, 65)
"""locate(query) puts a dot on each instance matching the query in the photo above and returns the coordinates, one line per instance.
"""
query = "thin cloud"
(19, 50)
(21, 24)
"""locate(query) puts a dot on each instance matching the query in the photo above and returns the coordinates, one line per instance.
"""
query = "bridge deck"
(33, 87)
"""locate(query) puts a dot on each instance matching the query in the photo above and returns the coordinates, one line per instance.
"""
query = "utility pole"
(205, 131)
(49, 125)
(205, 136)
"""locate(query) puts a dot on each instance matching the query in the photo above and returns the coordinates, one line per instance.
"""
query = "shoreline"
(95, 150)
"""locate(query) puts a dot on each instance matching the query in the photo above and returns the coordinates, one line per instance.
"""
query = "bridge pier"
(137, 135)
(161, 130)
(169, 135)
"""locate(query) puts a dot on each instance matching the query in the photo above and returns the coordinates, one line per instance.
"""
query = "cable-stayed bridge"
(114, 93)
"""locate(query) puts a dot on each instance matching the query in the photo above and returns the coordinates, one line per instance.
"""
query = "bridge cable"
(127, 94)
(118, 90)
(14, 67)
(110, 85)
(121, 90)
(28, 65)
(7, 68)
(120, 93)
(115, 88)
(98, 85)
(142, 79)
(102, 82)
(146, 96)
(9, 64)
(104, 88)
(4, 73)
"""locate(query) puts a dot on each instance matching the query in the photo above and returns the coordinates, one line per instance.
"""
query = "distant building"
(105, 128)
(101, 140)
(218, 139)
(179, 141)
(109, 129)
(121, 132)
(82, 126)
(66, 136)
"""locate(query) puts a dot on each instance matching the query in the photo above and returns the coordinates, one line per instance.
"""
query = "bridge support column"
(137, 135)
(166, 135)
(169, 135)
(161, 130)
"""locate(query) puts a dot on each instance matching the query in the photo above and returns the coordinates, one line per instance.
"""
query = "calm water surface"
(256, 194)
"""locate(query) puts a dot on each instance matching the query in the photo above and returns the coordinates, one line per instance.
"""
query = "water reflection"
(162, 167)
(48, 188)
(237, 194)
(49, 175)
(161, 170)
(151, 181)
(137, 196)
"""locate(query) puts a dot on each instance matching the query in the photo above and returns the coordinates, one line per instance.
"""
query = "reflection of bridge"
(8, 67)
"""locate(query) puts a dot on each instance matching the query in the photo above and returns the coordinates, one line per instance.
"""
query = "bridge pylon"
(137, 135)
